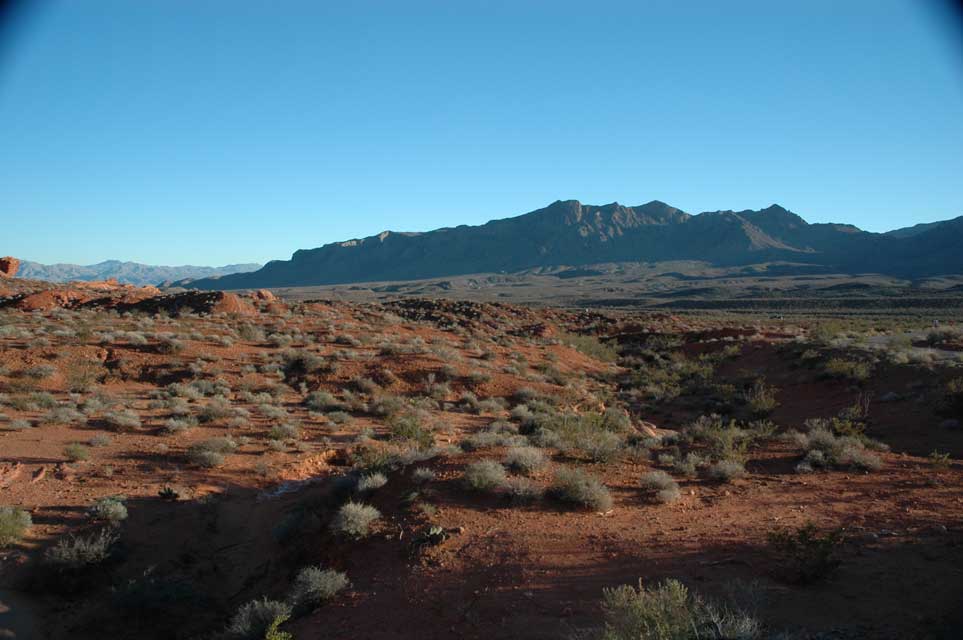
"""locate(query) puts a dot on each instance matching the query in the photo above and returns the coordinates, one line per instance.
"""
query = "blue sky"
(203, 132)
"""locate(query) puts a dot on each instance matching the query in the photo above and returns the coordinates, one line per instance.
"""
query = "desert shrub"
(847, 369)
(75, 452)
(951, 404)
(723, 440)
(314, 585)
(409, 428)
(727, 470)
(661, 486)
(179, 425)
(386, 405)
(216, 409)
(252, 619)
(109, 509)
(371, 482)
(321, 401)
(805, 554)
(354, 519)
(485, 476)
(39, 372)
(77, 552)
(19, 424)
(64, 415)
(525, 460)
(823, 448)
(14, 524)
(590, 346)
(760, 399)
(284, 432)
(152, 594)
(594, 435)
(523, 490)
(168, 345)
(668, 611)
(339, 417)
(122, 420)
(81, 375)
(939, 461)
(422, 475)
(574, 486)
(100, 440)
(210, 453)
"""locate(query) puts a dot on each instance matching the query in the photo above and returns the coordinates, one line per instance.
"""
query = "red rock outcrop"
(9, 267)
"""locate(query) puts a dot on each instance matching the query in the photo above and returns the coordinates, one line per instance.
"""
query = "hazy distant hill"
(570, 233)
(125, 272)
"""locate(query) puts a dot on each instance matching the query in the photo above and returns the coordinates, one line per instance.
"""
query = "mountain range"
(124, 272)
(571, 233)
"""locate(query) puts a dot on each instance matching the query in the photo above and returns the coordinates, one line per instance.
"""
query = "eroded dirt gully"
(242, 530)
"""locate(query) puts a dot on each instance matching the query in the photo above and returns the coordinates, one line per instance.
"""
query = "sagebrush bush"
(122, 420)
(110, 509)
(661, 485)
(668, 611)
(371, 482)
(525, 460)
(485, 476)
(727, 470)
(14, 524)
(314, 585)
(76, 452)
(806, 554)
(78, 552)
(252, 619)
(354, 519)
(422, 475)
(574, 486)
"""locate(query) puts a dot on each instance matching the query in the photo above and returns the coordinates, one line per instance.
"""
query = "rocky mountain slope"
(570, 233)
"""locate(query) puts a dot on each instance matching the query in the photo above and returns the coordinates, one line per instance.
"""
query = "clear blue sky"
(203, 132)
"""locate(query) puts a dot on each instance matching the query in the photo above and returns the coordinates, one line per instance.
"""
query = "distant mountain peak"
(572, 233)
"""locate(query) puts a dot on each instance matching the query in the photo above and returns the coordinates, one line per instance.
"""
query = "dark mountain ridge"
(571, 233)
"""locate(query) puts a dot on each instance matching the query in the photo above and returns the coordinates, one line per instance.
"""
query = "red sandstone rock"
(9, 267)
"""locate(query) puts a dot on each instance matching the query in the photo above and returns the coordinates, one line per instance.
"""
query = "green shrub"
(848, 369)
(409, 428)
(354, 519)
(668, 611)
(14, 524)
(76, 452)
(485, 476)
(805, 554)
(574, 486)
